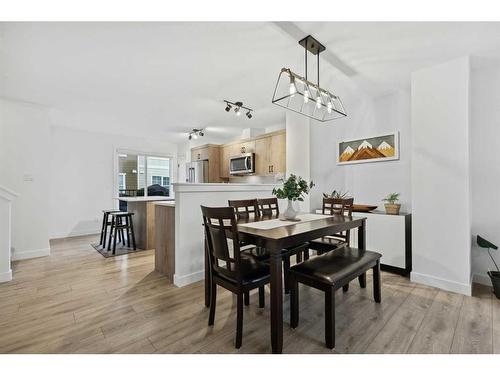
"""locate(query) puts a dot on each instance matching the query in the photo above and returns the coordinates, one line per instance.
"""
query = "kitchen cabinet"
(262, 156)
(199, 153)
(277, 150)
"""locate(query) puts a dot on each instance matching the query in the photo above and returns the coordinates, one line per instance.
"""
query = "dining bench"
(328, 273)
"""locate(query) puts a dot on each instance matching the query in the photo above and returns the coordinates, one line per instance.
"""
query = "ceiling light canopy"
(238, 106)
(193, 134)
(297, 94)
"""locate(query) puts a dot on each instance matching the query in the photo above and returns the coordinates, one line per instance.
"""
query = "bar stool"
(105, 224)
(121, 221)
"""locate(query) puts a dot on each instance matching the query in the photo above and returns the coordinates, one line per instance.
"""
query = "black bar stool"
(105, 224)
(121, 221)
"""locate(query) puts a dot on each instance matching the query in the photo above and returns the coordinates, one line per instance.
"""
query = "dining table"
(275, 234)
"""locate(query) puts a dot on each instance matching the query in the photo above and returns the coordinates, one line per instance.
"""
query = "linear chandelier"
(297, 94)
(238, 106)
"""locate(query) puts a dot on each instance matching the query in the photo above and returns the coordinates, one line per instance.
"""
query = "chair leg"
(239, 320)
(213, 301)
(306, 254)
(376, 283)
(262, 300)
(362, 280)
(286, 269)
(345, 288)
(247, 298)
(330, 318)
(294, 303)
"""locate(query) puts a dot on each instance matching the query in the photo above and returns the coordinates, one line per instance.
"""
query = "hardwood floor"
(76, 301)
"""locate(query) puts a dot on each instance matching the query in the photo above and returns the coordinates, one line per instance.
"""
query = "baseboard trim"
(481, 278)
(21, 255)
(6, 276)
(74, 234)
(184, 280)
(437, 282)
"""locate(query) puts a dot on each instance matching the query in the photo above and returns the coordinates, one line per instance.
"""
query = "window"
(122, 181)
(143, 172)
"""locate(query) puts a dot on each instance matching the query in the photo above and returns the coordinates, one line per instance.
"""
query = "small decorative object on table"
(494, 275)
(391, 207)
(293, 189)
(337, 194)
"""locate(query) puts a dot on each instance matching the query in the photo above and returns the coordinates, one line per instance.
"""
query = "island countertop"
(145, 199)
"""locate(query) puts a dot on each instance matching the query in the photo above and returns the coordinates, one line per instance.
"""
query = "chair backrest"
(245, 209)
(268, 207)
(337, 206)
(218, 222)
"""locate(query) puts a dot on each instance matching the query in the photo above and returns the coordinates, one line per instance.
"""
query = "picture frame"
(370, 149)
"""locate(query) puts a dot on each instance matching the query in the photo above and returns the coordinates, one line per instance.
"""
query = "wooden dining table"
(286, 236)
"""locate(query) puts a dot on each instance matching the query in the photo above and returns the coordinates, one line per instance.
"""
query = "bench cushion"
(336, 266)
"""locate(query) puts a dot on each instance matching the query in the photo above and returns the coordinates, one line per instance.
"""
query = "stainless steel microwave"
(242, 164)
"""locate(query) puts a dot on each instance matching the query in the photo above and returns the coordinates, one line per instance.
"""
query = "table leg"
(276, 302)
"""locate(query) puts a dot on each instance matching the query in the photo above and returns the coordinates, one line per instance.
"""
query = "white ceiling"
(162, 79)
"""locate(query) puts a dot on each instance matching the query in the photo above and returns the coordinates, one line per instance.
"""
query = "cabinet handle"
(272, 168)
(268, 169)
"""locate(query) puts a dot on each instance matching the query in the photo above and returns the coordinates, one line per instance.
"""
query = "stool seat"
(111, 210)
(121, 213)
(337, 266)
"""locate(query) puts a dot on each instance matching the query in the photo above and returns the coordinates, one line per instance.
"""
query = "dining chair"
(245, 208)
(333, 206)
(231, 268)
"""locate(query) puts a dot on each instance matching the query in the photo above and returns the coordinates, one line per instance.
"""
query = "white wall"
(440, 176)
(485, 167)
(24, 168)
(82, 176)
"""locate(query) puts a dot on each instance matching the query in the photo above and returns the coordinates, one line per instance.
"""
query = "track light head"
(190, 136)
(228, 107)
(201, 134)
(249, 115)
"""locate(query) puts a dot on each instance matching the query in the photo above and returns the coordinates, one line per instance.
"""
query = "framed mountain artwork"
(365, 150)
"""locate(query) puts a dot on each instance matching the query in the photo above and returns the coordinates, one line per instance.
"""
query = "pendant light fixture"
(297, 94)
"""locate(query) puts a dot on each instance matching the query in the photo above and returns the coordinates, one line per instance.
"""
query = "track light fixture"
(238, 106)
(297, 94)
(193, 134)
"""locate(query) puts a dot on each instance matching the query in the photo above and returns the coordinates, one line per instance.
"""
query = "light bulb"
(237, 111)
(306, 95)
(329, 107)
(195, 136)
(318, 102)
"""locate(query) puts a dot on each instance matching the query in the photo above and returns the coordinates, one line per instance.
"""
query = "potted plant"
(391, 207)
(494, 275)
(337, 194)
(294, 188)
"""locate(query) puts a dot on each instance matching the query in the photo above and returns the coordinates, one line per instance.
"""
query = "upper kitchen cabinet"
(270, 154)
(278, 153)
(263, 156)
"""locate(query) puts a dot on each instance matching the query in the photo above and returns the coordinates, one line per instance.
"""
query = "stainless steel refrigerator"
(197, 172)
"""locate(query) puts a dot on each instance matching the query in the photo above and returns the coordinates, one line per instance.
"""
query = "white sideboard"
(389, 235)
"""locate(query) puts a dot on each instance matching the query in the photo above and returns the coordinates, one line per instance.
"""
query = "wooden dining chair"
(334, 206)
(231, 268)
(245, 208)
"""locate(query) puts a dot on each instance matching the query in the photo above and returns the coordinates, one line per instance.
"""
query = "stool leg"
(115, 235)
(362, 280)
(247, 298)
(132, 231)
(127, 222)
(330, 318)
(102, 227)
(262, 300)
(111, 232)
(106, 225)
(294, 303)
(376, 282)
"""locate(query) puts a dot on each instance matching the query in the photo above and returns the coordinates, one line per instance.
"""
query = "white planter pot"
(290, 212)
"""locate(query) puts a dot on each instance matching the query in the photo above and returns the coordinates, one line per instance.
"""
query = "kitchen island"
(143, 209)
